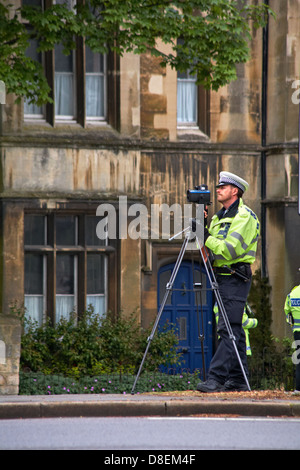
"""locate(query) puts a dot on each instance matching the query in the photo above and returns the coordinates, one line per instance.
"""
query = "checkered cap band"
(230, 178)
(226, 180)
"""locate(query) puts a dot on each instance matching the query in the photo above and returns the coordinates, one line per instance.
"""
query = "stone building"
(124, 131)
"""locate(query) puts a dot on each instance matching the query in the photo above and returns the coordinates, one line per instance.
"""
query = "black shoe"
(233, 386)
(210, 386)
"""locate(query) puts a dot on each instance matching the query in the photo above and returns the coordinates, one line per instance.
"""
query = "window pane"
(95, 273)
(33, 274)
(64, 306)
(95, 96)
(65, 274)
(98, 303)
(91, 238)
(64, 95)
(95, 84)
(37, 3)
(65, 285)
(63, 63)
(64, 84)
(66, 230)
(34, 305)
(34, 230)
(31, 51)
(34, 287)
(186, 101)
(94, 62)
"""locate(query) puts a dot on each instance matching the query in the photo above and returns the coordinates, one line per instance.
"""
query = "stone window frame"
(204, 110)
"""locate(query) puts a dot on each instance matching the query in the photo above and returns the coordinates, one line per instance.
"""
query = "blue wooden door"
(181, 310)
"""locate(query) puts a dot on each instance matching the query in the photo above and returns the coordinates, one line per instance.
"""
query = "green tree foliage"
(214, 36)
(260, 302)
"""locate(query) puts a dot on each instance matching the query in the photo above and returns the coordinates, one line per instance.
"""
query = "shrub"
(270, 364)
(94, 345)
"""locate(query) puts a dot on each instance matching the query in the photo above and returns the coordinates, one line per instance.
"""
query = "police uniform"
(232, 238)
(247, 324)
(292, 313)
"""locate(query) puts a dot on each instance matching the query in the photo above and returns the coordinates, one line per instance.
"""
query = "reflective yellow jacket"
(233, 238)
(292, 307)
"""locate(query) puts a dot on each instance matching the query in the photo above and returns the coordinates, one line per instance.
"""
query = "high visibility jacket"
(247, 323)
(292, 307)
(233, 237)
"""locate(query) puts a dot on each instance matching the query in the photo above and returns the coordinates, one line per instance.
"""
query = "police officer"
(247, 324)
(232, 238)
(292, 312)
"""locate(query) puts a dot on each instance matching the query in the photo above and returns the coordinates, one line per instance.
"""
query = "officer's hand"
(194, 225)
(205, 216)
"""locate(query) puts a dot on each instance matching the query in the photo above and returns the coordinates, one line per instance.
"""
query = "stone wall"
(10, 338)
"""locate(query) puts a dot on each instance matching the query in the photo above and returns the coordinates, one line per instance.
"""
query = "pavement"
(105, 405)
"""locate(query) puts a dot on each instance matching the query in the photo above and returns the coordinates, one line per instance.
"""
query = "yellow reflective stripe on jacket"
(234, 239)
(249, 322)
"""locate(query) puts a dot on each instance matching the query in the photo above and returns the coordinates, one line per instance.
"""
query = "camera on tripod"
(200, 195)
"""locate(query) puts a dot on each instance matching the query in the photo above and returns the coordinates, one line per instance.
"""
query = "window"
(187, 99)
(66, 265)
(193, 105)
(95, 84)
(78, 82)
(64, 94)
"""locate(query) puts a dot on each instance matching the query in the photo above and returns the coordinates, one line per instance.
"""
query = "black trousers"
(225, 364)
(297, 339)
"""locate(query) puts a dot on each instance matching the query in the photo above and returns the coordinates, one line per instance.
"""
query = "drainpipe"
(263, 143)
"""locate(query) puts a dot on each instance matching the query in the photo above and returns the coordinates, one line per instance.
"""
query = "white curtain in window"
(34, 308)
(186, 101)
(64, 94)
(94, 96)
(64, 306)
(98, 302)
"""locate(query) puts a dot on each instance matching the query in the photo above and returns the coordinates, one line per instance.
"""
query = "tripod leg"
(215, 287)
(168, 290)
(231, 335)
(201, 336)
(151, 337)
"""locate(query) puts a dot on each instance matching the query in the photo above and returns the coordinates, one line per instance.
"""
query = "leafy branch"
(214, 36)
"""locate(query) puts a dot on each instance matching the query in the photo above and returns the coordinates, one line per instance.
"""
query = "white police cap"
(229, 178)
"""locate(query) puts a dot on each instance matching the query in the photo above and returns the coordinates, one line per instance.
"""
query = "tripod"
(214, 285)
